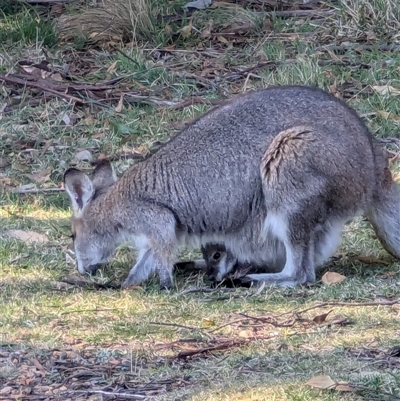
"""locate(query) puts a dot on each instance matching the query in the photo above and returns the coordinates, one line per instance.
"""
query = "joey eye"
(216, 256)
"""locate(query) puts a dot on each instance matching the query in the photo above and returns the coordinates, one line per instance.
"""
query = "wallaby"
(293, 159)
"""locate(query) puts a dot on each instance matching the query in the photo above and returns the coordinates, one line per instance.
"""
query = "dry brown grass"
(369, 19)
(127, 20)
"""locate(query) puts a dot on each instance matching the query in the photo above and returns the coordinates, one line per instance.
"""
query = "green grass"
(124, 339)
(26, 27)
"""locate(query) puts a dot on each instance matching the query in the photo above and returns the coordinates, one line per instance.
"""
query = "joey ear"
(103, 175)
(79, 187)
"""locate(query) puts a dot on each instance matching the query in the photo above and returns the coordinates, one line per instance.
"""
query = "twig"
(24, 82)
(120, 156)
(221, 346)
(46, 1)
(301, 13)
(196, 289)
(128, 57)
(88, 310)
(322, 305)
(108, 393)
(356, 46)
(181, 326)
(35, 190)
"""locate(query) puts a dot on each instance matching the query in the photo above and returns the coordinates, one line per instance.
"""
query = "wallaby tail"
(384, 214)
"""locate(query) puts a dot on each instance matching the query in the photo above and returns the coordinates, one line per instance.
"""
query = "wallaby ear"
(79, 187)
(103, 175)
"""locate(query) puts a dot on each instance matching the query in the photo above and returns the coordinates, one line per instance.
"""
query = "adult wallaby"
(293, 159)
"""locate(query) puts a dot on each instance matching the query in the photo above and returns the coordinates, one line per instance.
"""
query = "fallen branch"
(357, 46)
(107, 393)
(35, 190)
(33, 84)
(180, 326)
(218, 347)
(323, 304)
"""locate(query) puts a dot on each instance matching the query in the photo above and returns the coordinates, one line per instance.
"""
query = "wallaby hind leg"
(327, 240)
(298, 238)
(384, 215)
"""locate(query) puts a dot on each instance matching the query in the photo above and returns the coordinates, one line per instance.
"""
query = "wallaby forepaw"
(166, 285)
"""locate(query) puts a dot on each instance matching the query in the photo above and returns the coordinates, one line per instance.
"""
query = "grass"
(52, 331)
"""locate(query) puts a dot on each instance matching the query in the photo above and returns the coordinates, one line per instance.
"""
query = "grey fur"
(284, 167)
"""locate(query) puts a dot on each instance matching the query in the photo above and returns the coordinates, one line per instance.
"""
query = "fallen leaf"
(199, 4)
(6, 390)
(26, 236)
(66, 120)
(223, 40)
(245, 334)
(206, 32)
(111, 69)
(186, 30)
(20, 167)
(384, 114)
(239, 29)
(370, 260)
(267, 25)
(321, 318)
(209, 322)
(114, 361)
(4, 161)
(343, 386)
(120, 104)
(323, 382)
(57, 77)
(332, 278)
(40, 176)
(385, 90)
(83, 155)
(388, 274)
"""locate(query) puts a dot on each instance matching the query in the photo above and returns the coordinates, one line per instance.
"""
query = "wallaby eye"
(216, 255)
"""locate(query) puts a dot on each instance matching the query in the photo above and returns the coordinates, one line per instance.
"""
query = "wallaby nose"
(92, 269)
(212, 274)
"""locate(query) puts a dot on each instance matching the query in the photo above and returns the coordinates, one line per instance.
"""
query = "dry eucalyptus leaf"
(57, 77)
(385, 90)
(370, 260)
(40, 176)
(332, 278)
(323, 382)
(343, 386)
(111, 69)
(120, 104)
(321, 318)
(27, 236)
